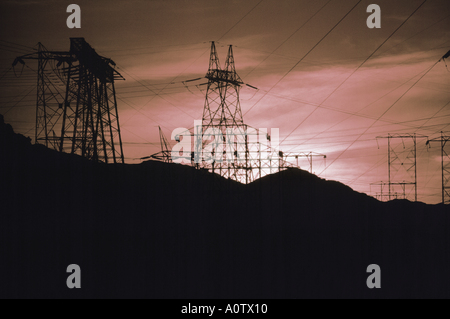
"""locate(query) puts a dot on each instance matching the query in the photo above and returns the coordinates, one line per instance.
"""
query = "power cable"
(367, 59)
(287, 39)
(295, 65)
(241, 19)
(387, 110)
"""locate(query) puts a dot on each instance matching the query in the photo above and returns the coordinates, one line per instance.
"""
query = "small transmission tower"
(165, 154)
(402, 161)
(445, 166)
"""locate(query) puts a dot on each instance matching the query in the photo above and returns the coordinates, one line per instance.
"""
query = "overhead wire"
(289, 37)
(252, 9)
(21, 45)
(17, 102)
(387, 110)
(357, 113)
(299, 61)
(364, 62)
(240, 20)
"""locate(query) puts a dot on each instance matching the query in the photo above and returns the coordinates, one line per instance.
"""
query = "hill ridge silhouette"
(158, 230)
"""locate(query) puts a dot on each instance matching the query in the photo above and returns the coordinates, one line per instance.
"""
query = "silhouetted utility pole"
(76, 107)
(445, 166)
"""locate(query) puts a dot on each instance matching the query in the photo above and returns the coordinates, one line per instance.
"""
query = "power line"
(367, 59)
(432, 25)
(387, 110)
(292, 34)
(433, 115)
(157, 94)
(341, 110)
(241, 19)
(10, 50)
(355, 113)
(21, 45)
(18, 101)
(6, 72)
(295, 65)
(153, 46)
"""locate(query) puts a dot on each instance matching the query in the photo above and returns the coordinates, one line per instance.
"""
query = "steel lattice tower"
(222, 107)
(76, 107)
(445, 166)
(400, 163)
(49, 94)
(165, 154)
(252, 157)
(222, 111)
(91, 122)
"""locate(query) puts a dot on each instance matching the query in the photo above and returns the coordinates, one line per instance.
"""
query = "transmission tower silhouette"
(165, 154)
(76, 106)
(402, 163)
(445, 165)
(255, 153)
(221, 113)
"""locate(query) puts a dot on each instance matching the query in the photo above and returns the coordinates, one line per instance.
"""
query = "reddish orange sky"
(158, 44)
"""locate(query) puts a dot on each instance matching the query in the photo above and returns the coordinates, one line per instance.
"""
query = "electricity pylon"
(222, 112)
(165, 154)
(401, 163)
(445, 165)
(251, 155)
(76, 106)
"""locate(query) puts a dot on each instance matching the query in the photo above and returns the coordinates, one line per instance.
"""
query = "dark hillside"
(159, 230)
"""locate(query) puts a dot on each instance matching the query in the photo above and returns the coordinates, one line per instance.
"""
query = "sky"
(327, 81)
